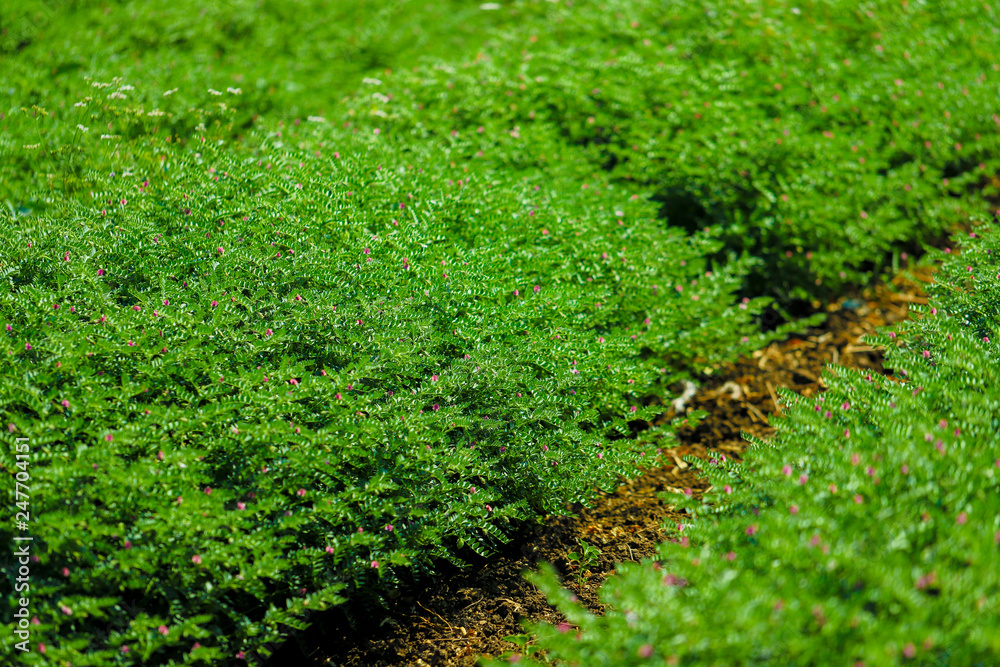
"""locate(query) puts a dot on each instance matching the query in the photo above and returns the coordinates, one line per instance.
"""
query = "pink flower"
(294, 382)
(538, 288)
(329, 550)
(125, 648)
(27, 346)
(109, 437)
(786, 470)
(728, 489)
(751, 529)
(927, 354)
(301, 493)
(633, 408)
(517, 293)
(645, 650)
(268, 333)
(388, 527)
(65, 571)
(375, 564)
(215, 304)
(858, 499)
(66, 610)
(9, 327)
(196, 559)
(434, 378)
(794, 509)
(65, 403)
(962, 518)
(241, 506)
(220, 250)
(163, 630)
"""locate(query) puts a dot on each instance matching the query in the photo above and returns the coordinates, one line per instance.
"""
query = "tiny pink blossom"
(301, 493)
(66, 610)
(65, 403)
(538, 288)
(962, 518)
(109, 437)
(329, 549)
(215, 304)
(858, 499)
(163, 630)
(728, 489)
(786, 470)
(269, 332)
(434, 378)
(241, 505)
(794, 509)
(375, 564)
(27, 346)
(220, 250)
(196, 559)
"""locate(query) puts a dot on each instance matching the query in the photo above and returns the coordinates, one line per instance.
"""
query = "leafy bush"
(826, 139)
(276, 377)
(182, 50)
(866, 532)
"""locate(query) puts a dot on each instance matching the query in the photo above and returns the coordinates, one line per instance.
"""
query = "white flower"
(489, 6)
(316, 119)
(170, 92)
(212, 91)
(82, 128)
(235, 91)
(372, 82)
(154, 112)
(116, 96)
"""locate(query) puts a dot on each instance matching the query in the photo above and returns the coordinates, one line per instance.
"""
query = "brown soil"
(465, 614)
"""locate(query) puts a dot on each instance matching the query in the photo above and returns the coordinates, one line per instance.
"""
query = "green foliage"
(865, 532)
(584, 559)
(306, 366)
(280, 335)
(827, 139)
